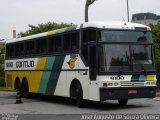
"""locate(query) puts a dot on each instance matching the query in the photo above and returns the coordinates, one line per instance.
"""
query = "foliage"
(156, 38)
(43, 27)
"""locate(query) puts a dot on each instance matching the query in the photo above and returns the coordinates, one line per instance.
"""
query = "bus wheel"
(25, 89)
(123, 102)
(17, 84)
(79, 96)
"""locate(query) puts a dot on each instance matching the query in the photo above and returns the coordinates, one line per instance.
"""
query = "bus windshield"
(116, 57)
(125, 36)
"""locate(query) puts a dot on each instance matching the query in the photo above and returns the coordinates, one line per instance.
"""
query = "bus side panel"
(84, 78)
(9, 79)
(33, 76)
(34, 84)
(63, 87)
(75, 69)
(51, 74)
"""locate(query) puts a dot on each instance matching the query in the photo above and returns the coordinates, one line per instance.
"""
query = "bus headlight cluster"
(111, 84)
(147, 83)
(150, 83)
(116, 84)
(153, 83)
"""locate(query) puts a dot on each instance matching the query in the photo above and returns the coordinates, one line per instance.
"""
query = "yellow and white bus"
(95, 61)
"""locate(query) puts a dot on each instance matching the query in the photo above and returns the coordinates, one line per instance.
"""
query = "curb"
(158, 94)
(5, 90)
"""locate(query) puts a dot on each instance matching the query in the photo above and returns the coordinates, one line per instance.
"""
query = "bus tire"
(79, 96)
(17, 84)
(122, 102)
(25, 89)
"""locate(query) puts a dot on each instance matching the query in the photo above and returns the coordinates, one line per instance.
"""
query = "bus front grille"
(132, 84)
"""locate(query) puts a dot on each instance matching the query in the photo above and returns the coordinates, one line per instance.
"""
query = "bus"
(95, 61)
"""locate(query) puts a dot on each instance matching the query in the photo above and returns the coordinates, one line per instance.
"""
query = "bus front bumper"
(127, 93)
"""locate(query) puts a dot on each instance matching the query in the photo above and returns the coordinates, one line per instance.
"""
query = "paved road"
(60, 107)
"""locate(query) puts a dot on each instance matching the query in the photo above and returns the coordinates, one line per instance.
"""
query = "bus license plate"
(132, 91)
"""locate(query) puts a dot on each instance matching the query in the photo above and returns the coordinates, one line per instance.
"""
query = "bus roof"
(115, 25)
(102, 25)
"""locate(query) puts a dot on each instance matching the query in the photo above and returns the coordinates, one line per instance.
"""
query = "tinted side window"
(29, 47)
(71, 41)
(75, 41)
(51, 44)
(19, 49)
(41, 46)
(12, 50)
(88, 36)
(67, 42)
(9, 50)
(58, 43)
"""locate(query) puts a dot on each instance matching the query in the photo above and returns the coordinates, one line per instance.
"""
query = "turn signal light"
(105, 84)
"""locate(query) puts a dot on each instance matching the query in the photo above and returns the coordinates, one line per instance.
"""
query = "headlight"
(105, 84)
(150, 83)
(153, 83)
(110, 84)
(116, 84)
(147, 83)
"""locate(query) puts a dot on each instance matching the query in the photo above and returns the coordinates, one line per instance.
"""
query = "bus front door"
(93, 84)
(92, 62)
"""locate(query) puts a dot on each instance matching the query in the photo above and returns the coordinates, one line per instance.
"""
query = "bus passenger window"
(67, 42)
(38, 46)
(9, 50)
(43, 45)
(30, 47)
(51, 44)
(75, 41)
(26, 47)
(58, 44)
(71, 42)
(19, 49)
(12, 50)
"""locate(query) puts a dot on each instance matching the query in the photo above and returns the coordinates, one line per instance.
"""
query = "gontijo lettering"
(24, 64)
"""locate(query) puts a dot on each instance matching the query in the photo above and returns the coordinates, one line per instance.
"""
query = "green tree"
(43, 27)
(156, 38)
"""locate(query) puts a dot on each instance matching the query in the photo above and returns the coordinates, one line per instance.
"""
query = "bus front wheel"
(122, 102)
(79, 96)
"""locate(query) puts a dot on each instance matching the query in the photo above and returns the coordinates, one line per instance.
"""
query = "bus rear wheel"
(25, 89)
(17, 84)
(79, 96)
(122, 102)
